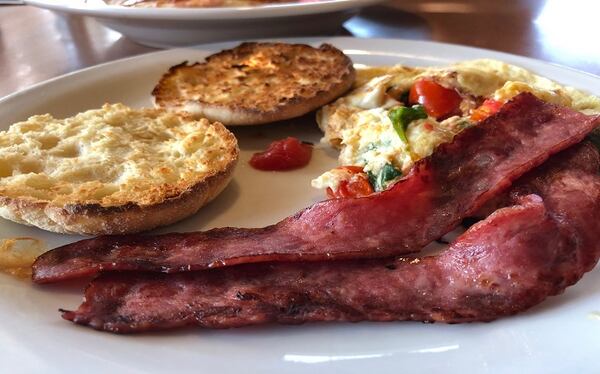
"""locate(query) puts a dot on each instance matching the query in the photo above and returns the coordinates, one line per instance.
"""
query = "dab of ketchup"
(284, 154)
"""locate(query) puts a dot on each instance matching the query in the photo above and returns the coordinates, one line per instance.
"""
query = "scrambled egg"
(359, 124)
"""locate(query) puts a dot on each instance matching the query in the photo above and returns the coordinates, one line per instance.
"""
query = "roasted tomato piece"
(284, 154)
(489, 107)
(352, 169)
(357, 186)
(439, 101)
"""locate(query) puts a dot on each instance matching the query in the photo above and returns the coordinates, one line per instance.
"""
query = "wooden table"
(36, 45)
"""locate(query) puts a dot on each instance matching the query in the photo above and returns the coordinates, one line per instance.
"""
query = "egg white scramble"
(360, 123)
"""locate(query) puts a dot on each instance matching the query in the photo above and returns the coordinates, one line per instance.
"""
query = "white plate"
(557, 336)
(164, 27)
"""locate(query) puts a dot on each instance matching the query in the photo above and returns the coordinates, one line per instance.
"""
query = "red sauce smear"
(284, 154)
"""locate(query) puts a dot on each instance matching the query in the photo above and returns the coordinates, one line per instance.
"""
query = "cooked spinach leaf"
(402, 116)
(382, 180)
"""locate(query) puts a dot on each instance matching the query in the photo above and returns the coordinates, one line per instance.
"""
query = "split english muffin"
(113, 170)
(257, 83)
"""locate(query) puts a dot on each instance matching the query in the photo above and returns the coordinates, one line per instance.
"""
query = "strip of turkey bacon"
(453, 183)
(502, 265)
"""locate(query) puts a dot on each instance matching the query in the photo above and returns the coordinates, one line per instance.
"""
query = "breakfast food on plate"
(257, 83)
(397, 115)
(422, 149)
(112, 170)
(514, 259)
(451, 184)
(193, 3)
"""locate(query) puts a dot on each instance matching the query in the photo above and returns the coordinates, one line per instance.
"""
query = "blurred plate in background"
(168, 27)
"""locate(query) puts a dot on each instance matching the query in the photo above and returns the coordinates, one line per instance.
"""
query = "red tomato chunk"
(439, 101)
(489, 107)
(284, 154)
(357, 186)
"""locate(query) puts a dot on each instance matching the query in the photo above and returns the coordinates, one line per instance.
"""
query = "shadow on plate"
(207, 213)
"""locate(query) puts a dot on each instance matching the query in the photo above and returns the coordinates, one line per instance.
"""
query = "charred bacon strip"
(505, 264)
(440, 191)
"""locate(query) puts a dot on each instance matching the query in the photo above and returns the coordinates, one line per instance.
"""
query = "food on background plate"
(543, 242)
(112, 170)
(451, 184)
(285, 154)
(397, 115)
(257, 83)
(197, 3)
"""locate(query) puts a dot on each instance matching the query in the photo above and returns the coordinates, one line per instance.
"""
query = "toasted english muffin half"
(113, 170)
(257, 83)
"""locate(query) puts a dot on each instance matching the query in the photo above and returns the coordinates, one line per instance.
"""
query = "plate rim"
(207, 14)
